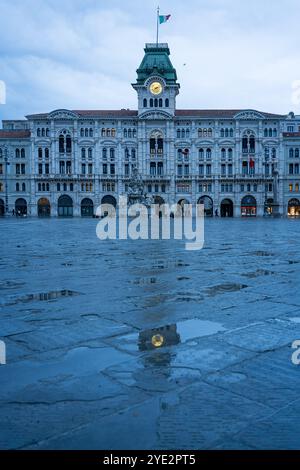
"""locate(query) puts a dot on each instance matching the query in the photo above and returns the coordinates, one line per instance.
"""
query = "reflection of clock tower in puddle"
(156, 83)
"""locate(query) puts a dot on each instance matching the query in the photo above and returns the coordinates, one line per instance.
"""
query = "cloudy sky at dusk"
(82, 54)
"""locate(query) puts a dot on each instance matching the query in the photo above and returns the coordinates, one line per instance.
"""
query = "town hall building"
(237, 162)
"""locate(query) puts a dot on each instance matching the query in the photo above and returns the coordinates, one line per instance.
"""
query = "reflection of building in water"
(158, 337)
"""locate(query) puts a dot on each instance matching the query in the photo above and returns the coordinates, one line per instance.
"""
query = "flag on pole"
(163, 18)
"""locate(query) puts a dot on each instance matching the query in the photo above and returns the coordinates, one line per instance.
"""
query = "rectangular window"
(62, 167)
(230, 170)
(149, 188)
(47, 168)
(68, 167)
(186, 170)
(40, 168)
(290, 188)
(23, 168)
(160, 168)
(90, 168)
(126, 168)
(208, 170)
(179, 170)
(291, 169)
(112, 168)
(201, 170)
(242, 188)
(17, 168)
(104, 168)
(153, 169)
(223, 170)
(83, 168)
(297, 187)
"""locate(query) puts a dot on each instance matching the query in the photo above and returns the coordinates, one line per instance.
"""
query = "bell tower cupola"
(156, 83)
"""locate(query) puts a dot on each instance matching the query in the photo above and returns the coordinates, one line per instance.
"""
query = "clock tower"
(156, 83)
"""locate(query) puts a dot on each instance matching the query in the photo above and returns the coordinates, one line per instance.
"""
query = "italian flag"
(163, 18)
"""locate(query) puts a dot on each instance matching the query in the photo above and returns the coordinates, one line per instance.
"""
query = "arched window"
(160, 102)
(226, 133)
(58, 186)
(178, 133)
(230, 154)
(47, 132)
(91, 132)
(83, 153)
(90, 152)
(151, 102)
(46, 152)
(38, 132)
(82, 132)
(129, 133)
(291, 153)
(65, 186)
(71, 186)
(48, 186)
(39, 187)
(145, 103)
(231, 133)
(61, 145)
(208, 154)
(22, 153)
(102, 132)
(252, 143)
(222, 132)
(201, 154)
(182, 133)
(23, 187)
(17, 153)
(40, 152)
(209, 132)
(133, 153)
(17, 187)
(266, 133)
(86, 132)
(113, 132)
(223, 154)
(112, 153)
(43, 187)
(134, 133)
(43, 132)
(167, 102)
(267, 153)
(104, 153)
(270, 133)
(125, 133)
(274, 132)
(126, 153)
(273, 153)
(155, 102)
(187, 133)
(68, 144)
(297, 153)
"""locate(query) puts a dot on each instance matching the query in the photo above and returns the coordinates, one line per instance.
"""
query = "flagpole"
(157, 25)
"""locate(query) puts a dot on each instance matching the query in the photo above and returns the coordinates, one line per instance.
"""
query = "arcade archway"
(248, 206)
(21, 206)
(226, 208)
(44, 208)
(65, 206)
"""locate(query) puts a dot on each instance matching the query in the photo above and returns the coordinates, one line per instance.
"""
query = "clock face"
(156, 88)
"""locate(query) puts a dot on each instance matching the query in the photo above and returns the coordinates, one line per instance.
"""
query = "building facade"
(67, 162)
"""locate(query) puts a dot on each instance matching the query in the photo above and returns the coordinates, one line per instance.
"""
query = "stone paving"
(78, 317)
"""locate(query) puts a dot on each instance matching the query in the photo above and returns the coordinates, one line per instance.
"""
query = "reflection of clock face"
(156, 88)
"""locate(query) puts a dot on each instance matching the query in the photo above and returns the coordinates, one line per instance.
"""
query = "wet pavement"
(142, 344)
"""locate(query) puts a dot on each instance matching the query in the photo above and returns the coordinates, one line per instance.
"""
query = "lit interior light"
(157, 341)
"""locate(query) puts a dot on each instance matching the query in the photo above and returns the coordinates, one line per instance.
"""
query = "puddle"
(295, 319)
(223, 288)
(190, 329)
(257, 273)
(168, 335)
(44, 296)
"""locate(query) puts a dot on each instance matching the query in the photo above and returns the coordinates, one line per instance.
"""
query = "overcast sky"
(83, 54)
